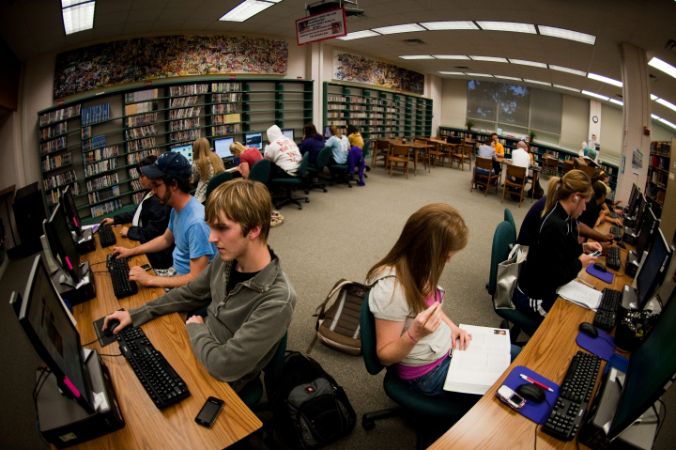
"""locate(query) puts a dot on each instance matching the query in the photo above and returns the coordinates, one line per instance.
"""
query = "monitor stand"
(84, 290)
(85, 243)
(64, 422)
(632, 264)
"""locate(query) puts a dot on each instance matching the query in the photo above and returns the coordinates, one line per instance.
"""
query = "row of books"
(227, 118)
(53, 145)
(56, 161)
(226, 108)
(54, 196)
(105, 208)
(189, 89)
(95, 114)
(141, 96)
(99, 196)
(226, 130)
(59, 180)
(183, 102)
(227, 98)
(661, 148)
(660, 162)
(102, 182)
(142, 119)
(185, 124)
(140, 144)
(59, 115)
(53, 131)
(184, 113)
(141, 132)
(94, 143)
(184, 136)
(100, 167)
(226, 87)
(135, 158)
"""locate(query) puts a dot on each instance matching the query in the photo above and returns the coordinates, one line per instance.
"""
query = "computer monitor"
(254, 139)
(651, 368)
(222, 147)
(649, 225)
(653, 268)
(633, 201)
(70, 210)
(50, 329)
(288, 132)
(641, 206)
(185, 150)
(61, 243)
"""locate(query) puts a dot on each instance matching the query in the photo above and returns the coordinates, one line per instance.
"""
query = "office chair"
(252, 392)
(504, 239)
(217, 181)
(315, 170)
(261, 171)
(428, 412)
(510, 218)
(288, 184)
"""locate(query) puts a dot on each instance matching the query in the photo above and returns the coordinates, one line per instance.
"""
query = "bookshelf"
(93, 144)
(376, 112)
(658, 173)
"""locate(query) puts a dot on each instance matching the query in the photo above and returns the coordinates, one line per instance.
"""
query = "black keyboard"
(566, 417)
(164, 386)
(613, 258)
(106, 235)
(606, 315)
(616, 232)
(119, 276)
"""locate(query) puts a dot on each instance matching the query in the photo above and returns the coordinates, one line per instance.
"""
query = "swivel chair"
(252, 392)
(288, 184)
(261, 171)
(217, 181)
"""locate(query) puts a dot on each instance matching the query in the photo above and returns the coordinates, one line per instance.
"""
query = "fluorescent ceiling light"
(508, 26)
(669, 105)
(617, 102)
(568, 70)
(456, 25)
(358, 35)
(602, 79)
(489, 58)
(653, 97)
(656, 117)
(544, 83)
(562, 33)
(403, 28)
(504, 77)
(474, 74)
(595, 95)
(246, 10)
(451, 57)
(667, 123)
(567, 88)
(663, 66)
(78, 15)
(443, 72)
(525, 62)
(416, 57)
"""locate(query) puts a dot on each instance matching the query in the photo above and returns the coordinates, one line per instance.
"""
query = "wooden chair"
(515, 181)
(484, 176)
(398, 158)
(424, 153)
(463, 153)
(379, 149)
(550, 165)
(437, 153)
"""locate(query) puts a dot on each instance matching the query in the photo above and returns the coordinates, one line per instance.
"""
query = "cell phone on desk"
(207, 415)
(596, 253)
(511, 398)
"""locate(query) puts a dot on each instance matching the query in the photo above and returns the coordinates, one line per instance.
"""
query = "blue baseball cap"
(168, 164)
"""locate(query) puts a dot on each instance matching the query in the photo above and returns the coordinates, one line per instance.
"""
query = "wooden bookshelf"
(658, 174)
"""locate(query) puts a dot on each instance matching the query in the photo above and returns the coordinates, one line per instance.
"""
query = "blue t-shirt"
(191, 236)
(339, 148)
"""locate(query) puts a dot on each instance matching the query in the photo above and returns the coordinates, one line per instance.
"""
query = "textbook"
(476, 369)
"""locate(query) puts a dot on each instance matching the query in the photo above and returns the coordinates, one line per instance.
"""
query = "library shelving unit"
(658, 173)
(537, 148)
(376, 112)
(94, 143)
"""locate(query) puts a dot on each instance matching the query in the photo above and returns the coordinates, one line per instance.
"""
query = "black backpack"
(312, 409)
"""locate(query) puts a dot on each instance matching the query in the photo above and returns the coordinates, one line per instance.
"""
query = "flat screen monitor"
(222, 147)
(653, 268)
(50, 329)
(650, 370)
(70, 210)
(641, 206)
(288, 132)
(185, 150)
(633, 203)
(254, 139)
(61, 243)
(649, 225)
(632, 196)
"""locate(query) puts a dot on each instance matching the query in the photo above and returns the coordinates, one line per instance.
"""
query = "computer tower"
(29, 212)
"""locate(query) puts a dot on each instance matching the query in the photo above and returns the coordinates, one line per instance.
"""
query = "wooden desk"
(146, 426)
(416, 147)
(492, 424)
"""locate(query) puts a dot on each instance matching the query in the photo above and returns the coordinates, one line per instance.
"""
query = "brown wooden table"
(416, 147)
(492, 424)
(146, 426)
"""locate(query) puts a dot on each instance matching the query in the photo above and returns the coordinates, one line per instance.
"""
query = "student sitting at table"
(555, 256)
(590, 216)
(249, 298)
(283, 152)
(248, 156)
(205, 165)
(486, 150)
(499, 148)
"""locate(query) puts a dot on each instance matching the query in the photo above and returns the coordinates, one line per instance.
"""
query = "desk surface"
(146, 426)
(492, 424)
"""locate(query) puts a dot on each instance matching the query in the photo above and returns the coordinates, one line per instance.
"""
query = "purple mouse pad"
(537, 412)
(602, 345)
(601, 275)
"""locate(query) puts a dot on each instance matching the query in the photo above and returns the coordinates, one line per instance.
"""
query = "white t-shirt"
(520, 158)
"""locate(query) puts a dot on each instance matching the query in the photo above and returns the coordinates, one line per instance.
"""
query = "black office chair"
(315, 170)
(252, 393)
(288, 184)
(261, 171)
(217, 181)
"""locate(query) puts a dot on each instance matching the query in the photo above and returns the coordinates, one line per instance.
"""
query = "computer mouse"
(531, 392)
(588, 329)
(601, 267)
(112, 323)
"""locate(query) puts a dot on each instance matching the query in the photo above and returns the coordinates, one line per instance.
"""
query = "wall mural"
(155, 58)
(364, 70)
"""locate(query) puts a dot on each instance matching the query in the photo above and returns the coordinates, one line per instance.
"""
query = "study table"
(146, 426)
(492, 424)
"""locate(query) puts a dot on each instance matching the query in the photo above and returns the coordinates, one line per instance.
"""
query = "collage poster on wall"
(360, 69)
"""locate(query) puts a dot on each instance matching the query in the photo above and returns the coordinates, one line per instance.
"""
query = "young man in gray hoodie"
(249, 298)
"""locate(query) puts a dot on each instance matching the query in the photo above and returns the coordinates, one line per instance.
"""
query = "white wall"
(434, 90)
(574, 121)
(612, 124)
(454, 103)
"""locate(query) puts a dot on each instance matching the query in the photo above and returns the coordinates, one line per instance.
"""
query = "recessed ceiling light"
(604, 79)
(455, 25)
(568, 70)
(595, 95)
(617, 102)
(525, 62)
(474, 74)
(358, 35)
(416, 57)
(505, 77)
(567, 88)
(78, 15)
(246, 10)
(443, 72)
(507, 26)
(562, 33)
(544, 83)
(669, 105)
(663, 66)
(403, 28)
(451, 56)
(489, 58)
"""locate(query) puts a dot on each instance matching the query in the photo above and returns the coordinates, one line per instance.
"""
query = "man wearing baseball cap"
(170, 183)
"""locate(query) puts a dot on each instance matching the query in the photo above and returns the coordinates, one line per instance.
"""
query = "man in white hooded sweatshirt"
(283, 152)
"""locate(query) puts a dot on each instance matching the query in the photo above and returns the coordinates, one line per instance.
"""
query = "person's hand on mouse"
(121, 316)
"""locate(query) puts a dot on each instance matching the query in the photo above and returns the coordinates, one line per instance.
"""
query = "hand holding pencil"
(426, 322)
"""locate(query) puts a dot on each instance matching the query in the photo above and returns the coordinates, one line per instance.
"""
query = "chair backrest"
(217, 181)
(550, 162)
(367, 333)
(516, 172)
(484, 163)
(509, 217)
(305, 162)
(504, 239)
(399, 149)
(261, 171)
(273, 370)
(323, 158)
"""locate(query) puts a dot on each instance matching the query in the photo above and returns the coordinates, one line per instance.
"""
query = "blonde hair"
(236, 148)
(243, 201)
(561, 188)
(203, 157)
(421, 252)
